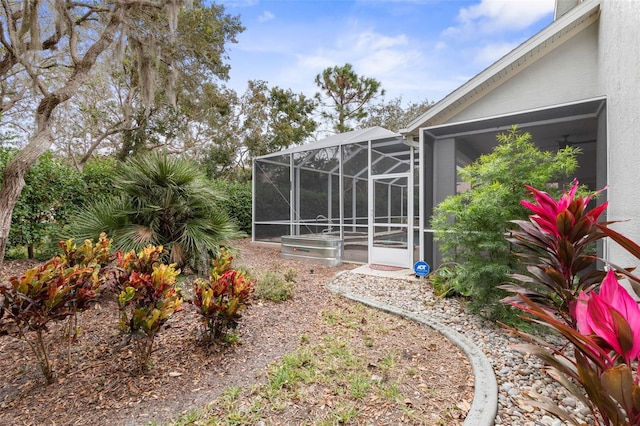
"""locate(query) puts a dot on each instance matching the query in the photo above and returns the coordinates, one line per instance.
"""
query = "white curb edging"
(485, 398)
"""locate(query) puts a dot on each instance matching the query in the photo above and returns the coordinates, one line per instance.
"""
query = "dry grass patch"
(351, 372)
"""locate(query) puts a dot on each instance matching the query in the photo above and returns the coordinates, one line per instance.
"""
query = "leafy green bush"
(45, 201)
(444, 281)
(94, 182)
(470, 226)
(277, 287)
(98, 176)
(290, 275)
(52, 193)
(237, 202)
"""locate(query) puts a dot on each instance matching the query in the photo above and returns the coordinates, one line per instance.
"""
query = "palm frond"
(164, 200)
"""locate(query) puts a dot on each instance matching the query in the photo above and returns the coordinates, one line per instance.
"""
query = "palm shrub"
(470, 226)
(162, 200)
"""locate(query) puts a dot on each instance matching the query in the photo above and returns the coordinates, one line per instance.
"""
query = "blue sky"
(417, 49)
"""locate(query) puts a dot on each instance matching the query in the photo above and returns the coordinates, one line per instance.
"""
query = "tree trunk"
(13, 179)
(41, 141)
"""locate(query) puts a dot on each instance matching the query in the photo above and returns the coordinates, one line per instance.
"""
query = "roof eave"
(513, 62)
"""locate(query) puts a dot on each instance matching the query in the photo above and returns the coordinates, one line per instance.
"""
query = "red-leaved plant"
(53, 291)
(566, 292)
(147, 297)
(555, 247)
(222, 297)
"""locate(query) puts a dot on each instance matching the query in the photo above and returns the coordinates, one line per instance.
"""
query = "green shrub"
(445, 281)
(272, 285)
(290, 275)
(44, 204)
(98, 175)
(237, 202)
(470, 226)
(52, 194)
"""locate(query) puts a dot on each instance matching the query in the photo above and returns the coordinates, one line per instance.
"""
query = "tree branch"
(111, 131)
(148, 3)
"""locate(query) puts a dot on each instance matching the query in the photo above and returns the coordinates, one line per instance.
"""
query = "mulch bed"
(97, 381)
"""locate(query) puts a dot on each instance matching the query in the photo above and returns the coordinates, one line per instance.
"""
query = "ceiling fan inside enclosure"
(565, 141)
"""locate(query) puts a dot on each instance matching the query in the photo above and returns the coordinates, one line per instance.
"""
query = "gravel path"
(517, 375)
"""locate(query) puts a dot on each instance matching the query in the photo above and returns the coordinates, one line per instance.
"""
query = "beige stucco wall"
(619, 59)
(569, 73)
(602, 60)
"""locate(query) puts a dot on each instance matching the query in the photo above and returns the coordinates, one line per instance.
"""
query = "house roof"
(355, 136)
(509, 65)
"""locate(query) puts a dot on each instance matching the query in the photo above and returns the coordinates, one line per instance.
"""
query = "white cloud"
(318, 61)
(499, 16)
(390, 59)
(486, 31)
(370, 41)
(385, 62)
(372, 54)
(490, 53)
(266, 16)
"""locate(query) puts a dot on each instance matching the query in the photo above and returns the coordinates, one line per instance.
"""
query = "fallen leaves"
(102, 386)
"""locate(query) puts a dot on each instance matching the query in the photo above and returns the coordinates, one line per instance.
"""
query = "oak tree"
(392, 115)
(263, 120)
(53, 45)
(110, 115)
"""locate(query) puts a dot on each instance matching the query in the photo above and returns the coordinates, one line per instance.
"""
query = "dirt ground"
(96, 382)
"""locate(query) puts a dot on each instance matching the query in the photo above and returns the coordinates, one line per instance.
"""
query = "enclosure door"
(391, 217)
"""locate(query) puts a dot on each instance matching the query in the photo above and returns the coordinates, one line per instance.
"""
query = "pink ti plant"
(602, 326)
